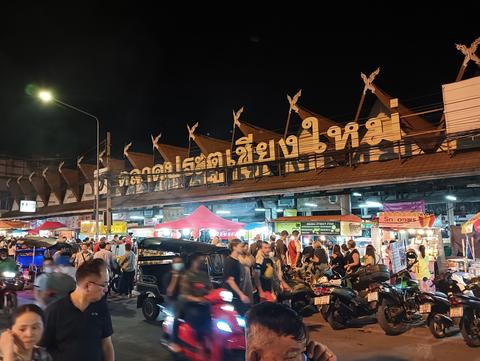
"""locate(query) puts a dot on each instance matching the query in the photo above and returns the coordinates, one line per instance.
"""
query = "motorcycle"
(447, 310)
(227, 339)
(10, 282)
(401, 305)
(299, 298)
(470, 322)
(350, 300)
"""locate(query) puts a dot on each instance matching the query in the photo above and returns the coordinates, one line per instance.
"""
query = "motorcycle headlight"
(241, 322)
(224, 326)
(226, 296)
(8, 274)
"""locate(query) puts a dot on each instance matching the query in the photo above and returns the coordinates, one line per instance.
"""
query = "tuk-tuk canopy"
(180, 246)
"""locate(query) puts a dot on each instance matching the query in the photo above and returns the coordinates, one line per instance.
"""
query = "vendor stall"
(47, 229)
(200, 220)
(334, 228)
(410, 229)
(471, 245)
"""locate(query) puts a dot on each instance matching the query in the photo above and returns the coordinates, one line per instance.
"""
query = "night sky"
(143, 70)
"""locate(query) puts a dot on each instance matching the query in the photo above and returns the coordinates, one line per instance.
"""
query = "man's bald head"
(275, 330)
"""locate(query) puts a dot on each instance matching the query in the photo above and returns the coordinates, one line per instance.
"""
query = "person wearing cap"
(51, 286)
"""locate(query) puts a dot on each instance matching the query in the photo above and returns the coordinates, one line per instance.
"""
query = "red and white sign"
(406, 220)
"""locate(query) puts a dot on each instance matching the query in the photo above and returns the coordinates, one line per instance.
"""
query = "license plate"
(425, 308)
(336, 282)
(372, 296)
(456, 312)
(323, 300)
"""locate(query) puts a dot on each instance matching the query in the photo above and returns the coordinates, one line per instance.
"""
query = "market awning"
(472, 224)
(14, 225)
(47, 226)
(332, 218)
(202, 218)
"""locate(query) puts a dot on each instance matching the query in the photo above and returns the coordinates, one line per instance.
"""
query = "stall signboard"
(321, 227)
(350, 229)
(405, 220)
(173, 213)
(287, 226)
(117, 227)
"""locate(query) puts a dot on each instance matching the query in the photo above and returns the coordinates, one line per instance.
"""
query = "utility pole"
(108, 211)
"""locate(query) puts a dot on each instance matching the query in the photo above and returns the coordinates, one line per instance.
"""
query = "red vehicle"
(227, 339)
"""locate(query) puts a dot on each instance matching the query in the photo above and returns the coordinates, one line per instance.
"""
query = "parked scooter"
(342, 306)
(401, 305)
(447, 310)
(10, 282)
(227, 339)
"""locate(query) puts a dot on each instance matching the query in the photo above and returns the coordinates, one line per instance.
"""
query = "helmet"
(411, 256)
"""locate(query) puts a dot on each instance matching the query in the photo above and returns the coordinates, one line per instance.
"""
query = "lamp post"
(47, 97)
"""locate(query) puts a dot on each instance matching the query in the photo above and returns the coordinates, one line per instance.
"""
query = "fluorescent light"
(137, 217)
(450, 197)
(187, 214)
(259, 210)
(222, 212)
(310, 205)
(356, 194)
(279, 210)
(371, 204)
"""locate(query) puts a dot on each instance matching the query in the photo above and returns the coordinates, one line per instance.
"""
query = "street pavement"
(136, 339)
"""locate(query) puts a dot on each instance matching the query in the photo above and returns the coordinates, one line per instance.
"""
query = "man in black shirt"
(264, 271)
(78, 326)
(232, 274)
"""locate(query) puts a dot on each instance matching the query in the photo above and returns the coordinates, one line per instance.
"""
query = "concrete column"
(450, 213)
(345, 204)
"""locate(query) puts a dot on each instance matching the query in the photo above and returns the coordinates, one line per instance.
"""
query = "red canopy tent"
(202, 218)
(47, 226)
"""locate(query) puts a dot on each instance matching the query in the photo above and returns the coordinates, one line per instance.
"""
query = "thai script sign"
(406, 220)
(248, 159)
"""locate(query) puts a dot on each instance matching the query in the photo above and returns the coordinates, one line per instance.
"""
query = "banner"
(398, 254)
(406, 220)
(411, 206)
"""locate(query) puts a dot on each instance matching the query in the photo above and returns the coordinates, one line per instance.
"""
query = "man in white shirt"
(106, 255)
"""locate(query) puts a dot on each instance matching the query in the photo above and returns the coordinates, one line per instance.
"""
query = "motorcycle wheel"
(388, 325)
(335, 320)
(114, 284)
(436, 325)
(10, 303)
(470, 328)
(150, 309)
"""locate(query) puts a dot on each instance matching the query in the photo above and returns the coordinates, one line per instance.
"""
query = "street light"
(47, 97)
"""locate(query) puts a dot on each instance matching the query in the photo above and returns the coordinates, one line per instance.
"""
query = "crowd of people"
(71, 320)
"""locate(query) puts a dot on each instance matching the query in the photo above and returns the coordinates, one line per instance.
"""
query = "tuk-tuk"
(155, 256)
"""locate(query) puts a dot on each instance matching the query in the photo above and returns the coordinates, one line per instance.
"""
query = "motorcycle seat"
(440, 294)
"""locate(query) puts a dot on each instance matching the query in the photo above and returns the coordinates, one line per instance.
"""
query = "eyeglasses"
(104, 285)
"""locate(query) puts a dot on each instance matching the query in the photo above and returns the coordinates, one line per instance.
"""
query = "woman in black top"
(337, 262)
(352, 260)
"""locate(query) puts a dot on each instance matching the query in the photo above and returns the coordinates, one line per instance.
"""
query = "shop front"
(330, 229)
(408, 230)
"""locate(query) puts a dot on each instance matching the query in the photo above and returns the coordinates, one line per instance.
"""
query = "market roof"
(324, 218)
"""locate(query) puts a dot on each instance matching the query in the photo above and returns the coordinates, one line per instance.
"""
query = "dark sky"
(146, 70)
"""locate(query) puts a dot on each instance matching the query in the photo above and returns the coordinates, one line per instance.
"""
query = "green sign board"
(321, 227)
(286, 226)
